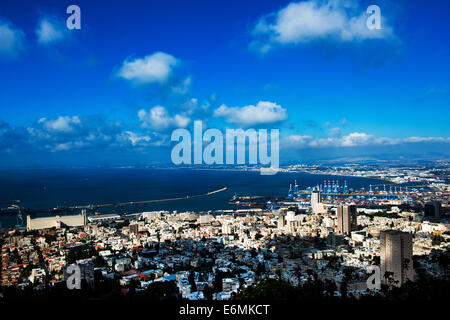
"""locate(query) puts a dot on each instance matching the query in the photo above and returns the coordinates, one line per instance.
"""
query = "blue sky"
(112, 92)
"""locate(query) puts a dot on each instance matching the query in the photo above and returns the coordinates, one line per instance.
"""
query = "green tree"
(268, 289)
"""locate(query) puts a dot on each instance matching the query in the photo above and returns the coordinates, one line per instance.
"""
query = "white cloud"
(70, 133)
(11, 40)
(73, 133)
(66, 146)
(355, 139)
(134, 138)
(193, 107)
(152, 68)
(363, 139)
(181, 121)
(48, 32)
(302, 22)
(303, 141)
(426, 139)
(298, 140)
(263, 113)
(63, 124)
(159, 119)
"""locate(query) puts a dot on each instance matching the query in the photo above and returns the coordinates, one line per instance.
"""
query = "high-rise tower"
(346, 219)
(396, 257)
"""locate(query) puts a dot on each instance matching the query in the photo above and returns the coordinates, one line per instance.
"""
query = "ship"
(246, 204)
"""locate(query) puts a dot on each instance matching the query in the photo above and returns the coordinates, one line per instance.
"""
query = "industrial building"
(56, 221)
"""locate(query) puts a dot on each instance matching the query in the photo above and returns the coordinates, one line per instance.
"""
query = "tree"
(344, 289)
(279, 274)
(259, 269)
(99, 262)
(207, 293)
(298, 274)
(389, 276)
(268, 289)
(405, 264)
(376, 260)
(437, 240)
(162, 290)
(191, 279)
(348, 274)
(330, 287)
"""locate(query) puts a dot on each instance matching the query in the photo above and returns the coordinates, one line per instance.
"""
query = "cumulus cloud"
(264, 112)
(303, 22)
(354, 139)
(63, 124)
(194, 108)
(298, 140)
(426, 139)
(68, 133)
(159, 119)
(50, 31)
(363, 139)
(72, 132)
(154, 68)
(65, 134)
(11, 40)
(67, 146)
(134, 138)
(303, 141)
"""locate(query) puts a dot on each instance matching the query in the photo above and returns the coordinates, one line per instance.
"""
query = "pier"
(121, 204)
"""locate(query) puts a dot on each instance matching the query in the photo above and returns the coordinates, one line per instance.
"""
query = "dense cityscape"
(329, 233)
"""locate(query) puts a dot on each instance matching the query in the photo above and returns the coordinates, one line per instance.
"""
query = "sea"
(50, 188)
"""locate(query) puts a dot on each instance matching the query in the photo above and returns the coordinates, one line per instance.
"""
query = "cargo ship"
(254, 201)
